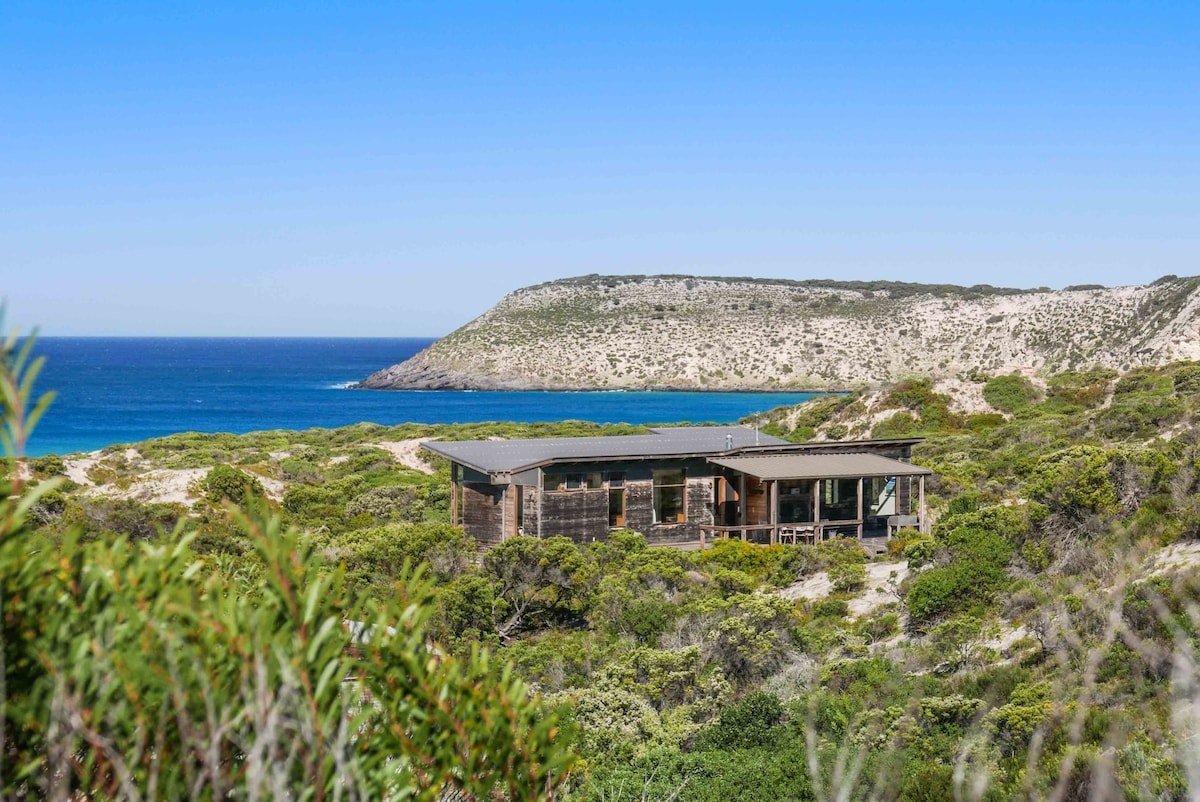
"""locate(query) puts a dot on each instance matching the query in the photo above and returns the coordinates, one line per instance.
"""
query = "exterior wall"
(533, 501)
(483, 512)
(581, 515)
(639, 511)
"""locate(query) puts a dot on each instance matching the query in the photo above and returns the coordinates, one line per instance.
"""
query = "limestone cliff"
(681, 332)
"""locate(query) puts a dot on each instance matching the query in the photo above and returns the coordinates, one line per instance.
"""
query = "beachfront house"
(684, 486)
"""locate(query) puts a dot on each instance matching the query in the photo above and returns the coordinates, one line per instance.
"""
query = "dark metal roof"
(819, 466)
(507, 456)
(836, 445)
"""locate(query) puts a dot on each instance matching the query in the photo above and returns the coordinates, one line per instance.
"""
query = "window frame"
(659, 486)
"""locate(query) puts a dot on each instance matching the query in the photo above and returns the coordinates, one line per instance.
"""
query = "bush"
(749, 723)
(831, 608)
(227, 483)
(965, 502)
(848, 577)
(919, 551)
(295, 469)
(756, 561)
(983, 421)
(976, 570)
(837, 431)
(387, 503)
(1075, 480)
(47, 467)
(1009, 393)
(1187, 379)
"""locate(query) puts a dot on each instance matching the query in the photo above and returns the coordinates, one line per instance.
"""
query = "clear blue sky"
(393, 168)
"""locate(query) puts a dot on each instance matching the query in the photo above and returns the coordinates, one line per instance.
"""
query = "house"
(683, 486)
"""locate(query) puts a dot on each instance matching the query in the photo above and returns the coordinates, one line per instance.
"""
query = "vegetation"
(134, 667)
(341, 638)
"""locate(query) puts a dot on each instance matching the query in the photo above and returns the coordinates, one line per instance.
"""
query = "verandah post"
(860, 508)
(774, 488)
(923, 526)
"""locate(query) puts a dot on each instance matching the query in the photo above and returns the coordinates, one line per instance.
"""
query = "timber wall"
(483, 512)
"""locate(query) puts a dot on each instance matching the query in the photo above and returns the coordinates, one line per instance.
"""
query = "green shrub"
(1009, 393)
(848, 577)
(981, 422)
(295, 469)
(47, 467)
(965, 502)
(831, 608)
(1036, 554)
(976, 571)
(919, 551)
(898, 425)
(749, 723)
(1075, 480)
(754, 560)
(227, 483)
(1187, 379)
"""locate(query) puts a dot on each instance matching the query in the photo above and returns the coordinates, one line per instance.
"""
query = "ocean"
(125, 389)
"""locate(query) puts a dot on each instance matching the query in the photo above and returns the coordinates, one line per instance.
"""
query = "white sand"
(77, 469)
(407, 453)
(875, 595)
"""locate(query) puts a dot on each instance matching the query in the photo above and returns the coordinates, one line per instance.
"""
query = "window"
(670, 497)
(555, 482)
(616, 499)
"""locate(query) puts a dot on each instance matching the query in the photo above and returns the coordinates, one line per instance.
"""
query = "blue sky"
(346, 168)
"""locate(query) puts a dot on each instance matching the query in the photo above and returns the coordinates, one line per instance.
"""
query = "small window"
(595, 480)
(573, 481)
(616, 479)
(551, 481)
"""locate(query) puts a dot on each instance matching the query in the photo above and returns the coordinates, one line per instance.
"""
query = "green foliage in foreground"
(1041, 644)
(136, 670)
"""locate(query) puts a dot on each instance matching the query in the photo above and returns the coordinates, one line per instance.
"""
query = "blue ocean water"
(121, 390)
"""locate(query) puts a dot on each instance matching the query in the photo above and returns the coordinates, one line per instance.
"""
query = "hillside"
(680, 332)
(1040, 643)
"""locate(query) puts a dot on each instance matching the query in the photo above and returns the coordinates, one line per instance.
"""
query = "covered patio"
(806, 498)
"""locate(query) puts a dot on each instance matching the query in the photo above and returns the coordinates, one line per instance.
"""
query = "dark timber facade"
(683, 486)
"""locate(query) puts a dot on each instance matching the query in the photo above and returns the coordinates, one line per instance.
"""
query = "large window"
(670, 497)
(840, 499)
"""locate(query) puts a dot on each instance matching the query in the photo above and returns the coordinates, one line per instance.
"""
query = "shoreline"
(651, 389)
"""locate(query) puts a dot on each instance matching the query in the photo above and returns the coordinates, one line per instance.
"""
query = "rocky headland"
(705, 333)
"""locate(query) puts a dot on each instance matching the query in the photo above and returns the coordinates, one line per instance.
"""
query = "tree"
(533, 576)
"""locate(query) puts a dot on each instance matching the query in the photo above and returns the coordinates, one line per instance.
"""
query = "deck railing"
(786, 532)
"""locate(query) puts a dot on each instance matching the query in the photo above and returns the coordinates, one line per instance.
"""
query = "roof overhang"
(819, 466)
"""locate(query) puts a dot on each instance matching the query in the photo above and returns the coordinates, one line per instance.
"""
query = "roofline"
(923, 471)
(568, 460)
(758, 449)
(822, 444)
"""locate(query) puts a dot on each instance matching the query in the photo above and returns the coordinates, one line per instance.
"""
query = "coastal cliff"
(704, 333)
